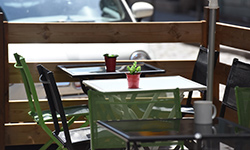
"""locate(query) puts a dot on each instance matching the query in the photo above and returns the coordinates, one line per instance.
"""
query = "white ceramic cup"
(204, 112)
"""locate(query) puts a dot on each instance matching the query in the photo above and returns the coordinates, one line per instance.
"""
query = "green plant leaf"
(134, 68)
(110, 55)
(138, 69)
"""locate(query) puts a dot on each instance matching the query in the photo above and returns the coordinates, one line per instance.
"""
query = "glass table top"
(99, 69)
(174, 129)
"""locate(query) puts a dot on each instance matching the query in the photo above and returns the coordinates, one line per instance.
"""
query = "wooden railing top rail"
(233, 36)
(145, 32)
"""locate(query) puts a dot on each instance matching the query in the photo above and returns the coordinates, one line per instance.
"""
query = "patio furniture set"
(152, 115)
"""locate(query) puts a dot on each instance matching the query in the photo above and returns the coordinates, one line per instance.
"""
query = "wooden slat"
(152, 32)
(15, 76)
(184, 68)
(234, 36)
(28, 133)
(221, 72)
(19, 109)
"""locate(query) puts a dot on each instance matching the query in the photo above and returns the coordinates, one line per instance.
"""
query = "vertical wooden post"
(2, 86)
(205, 28)
(216, 86)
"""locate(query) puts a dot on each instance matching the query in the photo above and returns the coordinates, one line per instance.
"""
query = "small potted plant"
(110, 62)
(133, 76)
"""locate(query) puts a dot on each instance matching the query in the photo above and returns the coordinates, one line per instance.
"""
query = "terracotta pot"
(133, 80)
(110, 63)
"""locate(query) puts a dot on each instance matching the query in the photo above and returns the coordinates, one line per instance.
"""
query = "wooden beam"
(19, 109)
(184, 68)
(233, 36)
(221, 72)
(28, 133)
(145, 32)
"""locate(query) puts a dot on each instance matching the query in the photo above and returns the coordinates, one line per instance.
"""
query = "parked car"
(33, 11)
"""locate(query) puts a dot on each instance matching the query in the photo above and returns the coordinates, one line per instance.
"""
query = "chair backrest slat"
(200, 70)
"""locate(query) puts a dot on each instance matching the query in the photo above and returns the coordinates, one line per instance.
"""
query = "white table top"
(146, 84)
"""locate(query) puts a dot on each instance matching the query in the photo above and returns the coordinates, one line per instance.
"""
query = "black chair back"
(200, 71)
(239, 75)
(55, 103)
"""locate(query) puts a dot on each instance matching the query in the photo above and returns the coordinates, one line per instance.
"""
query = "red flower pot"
(110, 63)
(133, 80)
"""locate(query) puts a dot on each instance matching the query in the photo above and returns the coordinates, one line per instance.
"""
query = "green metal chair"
(242, 95)
(127, 106)
(35, 112)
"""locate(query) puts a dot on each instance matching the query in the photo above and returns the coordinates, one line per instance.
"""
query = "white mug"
(204, 112)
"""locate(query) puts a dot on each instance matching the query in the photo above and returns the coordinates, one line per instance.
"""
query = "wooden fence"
(16, 126)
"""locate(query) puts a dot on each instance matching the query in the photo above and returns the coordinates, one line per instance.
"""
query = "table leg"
(190, 144)
(135, 146)
(198, 145)
(128, 146)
